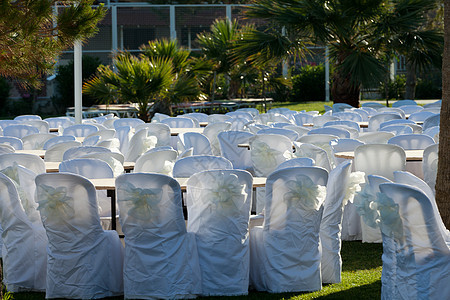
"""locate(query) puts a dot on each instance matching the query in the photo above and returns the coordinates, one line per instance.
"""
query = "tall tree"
(32, 36)
(357, 32)
(443, 175)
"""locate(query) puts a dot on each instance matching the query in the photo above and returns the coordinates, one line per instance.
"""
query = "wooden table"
(53, 166)
(411, 155)
(109, 184)
(177, 131)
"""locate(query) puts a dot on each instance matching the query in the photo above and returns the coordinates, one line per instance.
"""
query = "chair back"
(188, 166)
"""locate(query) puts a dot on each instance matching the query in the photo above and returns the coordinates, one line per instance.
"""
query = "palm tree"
(443, 175)
(357, 32)
(137, 80)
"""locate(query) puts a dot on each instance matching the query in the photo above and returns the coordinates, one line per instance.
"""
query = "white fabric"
(199, 143)
(430, 164)
(376, 120)
(161, 131)
(216, 118)
(160, 256)
(105, 134)
(133, 122)
(285, 252)
(321, 140)
(398, 129)
(41, 125)
(29, 161)
(211, 131)
(5, 148)
(269, 118)
(218, 205)
(141, 142)
(302, 118)
(187, 166)
(24, 243)
(77, 152)
(161, 162)
(80, 130)
(412, 141)
(25, 118)
(342, 145)
(422, 258)
(339, 132)
(319, 121)
(124, 134)
(239, 157)
(331, 224)
(36, 141)
(91, 140)
(289, 133)
(56, 152)
(201, 117)
(351, 124)
(420, 116)
(382, 160)
(175, 122)
(375, 137)
(58, 139)
(301, 131)
(268, 151)
(427, 123)
(296, 162)
(392, 110)
(59, 122)
(16, 143)
(319, 155)
(84, 261)
(113, 159)
(19, 130)
(348, 116)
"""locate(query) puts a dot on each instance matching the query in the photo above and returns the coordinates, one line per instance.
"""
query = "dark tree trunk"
(160, 106)
(344, 91)
(410, 88)
(443, 174)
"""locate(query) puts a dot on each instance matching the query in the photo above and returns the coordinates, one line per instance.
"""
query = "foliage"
(29, 40)
(428, 89)
(65, 82)
(395, 89)
(309, 85)
(359, 34)
(4, 94)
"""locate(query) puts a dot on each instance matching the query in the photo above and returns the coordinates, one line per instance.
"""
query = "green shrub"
(5, 89)
(65, 82)
(428, 89)
(396, 88)
(309, 85)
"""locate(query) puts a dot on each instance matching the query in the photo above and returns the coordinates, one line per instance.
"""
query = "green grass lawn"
(361, 275)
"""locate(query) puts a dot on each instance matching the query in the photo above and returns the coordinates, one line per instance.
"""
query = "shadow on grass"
(359, 292)
(361, 256)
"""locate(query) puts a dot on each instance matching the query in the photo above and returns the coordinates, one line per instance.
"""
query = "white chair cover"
(218, 205)
(212, 130)
(4, 123)
(161, 162)
(41, 125)
(36, 141)
(187, 166)
(393, 110)
(58, 139)
(427, 123)
(80, 130)
(267, 151)
(430, 164)
(412, 141)
(401, 103)
(285, 252)
(59, 122)
(4, 148)
(84, 261)
(422, 256)
(199, 143)
(289, 133)
(29, 161)
(348, 116)
(124, 134)
(201, 117)
(382, 160)
(239, 157)
(218, 118)
(161, 131)
(398, 129)
(77, 152)
(303, 118)
(420, 116)
(16, 143)
(376, 120)
(341, 188)
(339, 132)
(301, 131)
(25, 118)
(141, 142)
(133, 122)
(19, 130)
(176, 122)
(56, 152)
(24, 250)
(113, 159)
(161, 258)
(319, 155)
(375, 137)
(319, 121)
(296, 162)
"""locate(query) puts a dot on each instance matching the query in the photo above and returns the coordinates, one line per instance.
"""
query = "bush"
(427, 89)
(309, 85)
(396, 88)
(65, 81)
(5, 89)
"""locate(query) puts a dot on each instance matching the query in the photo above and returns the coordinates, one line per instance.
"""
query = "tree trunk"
(344, 91)
(160, 106)
(443, 174)
(410, 88)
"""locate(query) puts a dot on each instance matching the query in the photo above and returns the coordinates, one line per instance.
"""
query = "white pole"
(285, 63)
(228, 12)
(173, 31)
(78, 81)
(114, 37)
(327, 74)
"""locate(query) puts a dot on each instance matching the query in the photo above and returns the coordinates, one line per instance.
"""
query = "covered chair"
(29, 161)
(161, 162)
(382, 160)
(161, 258)
(430, 164)
(187, 166)
(133, 122)
(24, 243)
(161, 131)
(84, 262)
(80, 130)
(36, 141)
(178, 122)
(19, 130)
(218, 204)
(56, 151)
(141, 142)
(14, 142)
(199, 143)
(319, 155)
(239, 157)
(285, 251)
(211, 131)
(58, 139)
(376, 120)
(341, 187)
(296, 162)
(422, 257)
